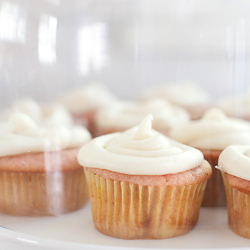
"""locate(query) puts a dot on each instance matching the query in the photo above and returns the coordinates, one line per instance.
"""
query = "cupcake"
(124, 115)
(186, 95)
(83, 103)
(142, 185)
(212, 134)
(39, 172)
(234, 163)
(236, 106)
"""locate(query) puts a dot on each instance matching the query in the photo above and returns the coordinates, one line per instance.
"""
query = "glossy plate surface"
(76, 231)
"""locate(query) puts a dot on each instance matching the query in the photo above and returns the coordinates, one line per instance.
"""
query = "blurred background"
(49, 46)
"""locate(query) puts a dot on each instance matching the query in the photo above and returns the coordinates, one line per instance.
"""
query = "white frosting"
(213, 131)
(87, 99)
(236, 106)
(235, 160)
(125, 115)
(29, 128)
(139, 151)
(185, 94)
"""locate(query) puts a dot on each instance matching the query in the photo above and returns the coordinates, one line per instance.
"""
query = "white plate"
(76, 231)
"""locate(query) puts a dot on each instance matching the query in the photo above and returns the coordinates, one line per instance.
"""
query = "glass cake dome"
(116, 60)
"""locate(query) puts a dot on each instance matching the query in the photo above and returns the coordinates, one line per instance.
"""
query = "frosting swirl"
(235, 160)
(86, 99)
(29, 128)
(139, 151)
(213, 131)
(236, 106)
(124, 115)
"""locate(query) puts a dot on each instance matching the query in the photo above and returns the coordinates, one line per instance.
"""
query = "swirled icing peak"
(87, 98)
(51, 115)
(140, 151)
(20, 123)
(27, 127)
(29, 107)
(214, 131)
(214, 115)
(144, 129)
(238, 106)
(182, 94)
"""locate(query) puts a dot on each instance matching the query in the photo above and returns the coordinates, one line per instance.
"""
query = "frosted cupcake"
(186, 95)
(142, 185)
(39, 172)
(234, 163)
(125, 115)
(83, 103)
(212, 134)
(236, 106)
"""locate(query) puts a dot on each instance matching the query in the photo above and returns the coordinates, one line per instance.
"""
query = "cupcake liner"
(37, 194)
(238, 209)
(214, 195)
(131, 211)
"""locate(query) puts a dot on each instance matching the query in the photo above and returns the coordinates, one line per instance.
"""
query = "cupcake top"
(86, 99)
(51, 115)
(29, 128)
(185, 94)
(238, 106)
(124, 115)
(214, 131)
(139, 151)
(235, 160)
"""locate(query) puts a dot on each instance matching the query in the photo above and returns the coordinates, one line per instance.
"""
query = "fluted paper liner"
(214, 195)
(238, 209)
(131, 211)
(36, 194)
